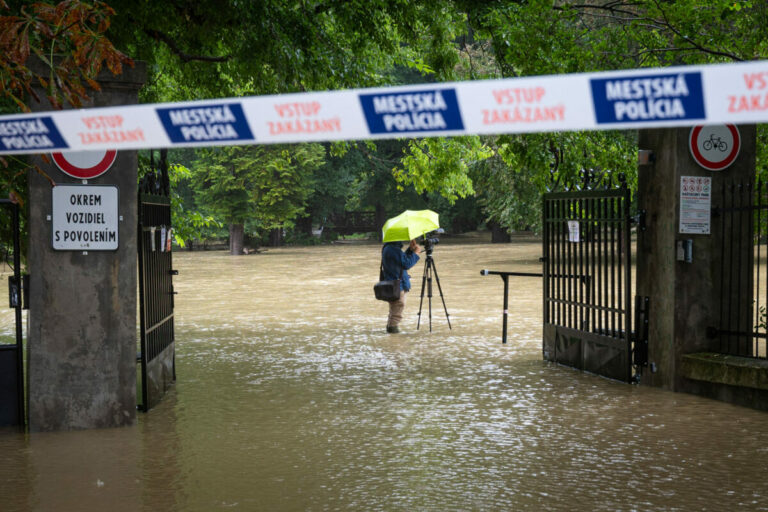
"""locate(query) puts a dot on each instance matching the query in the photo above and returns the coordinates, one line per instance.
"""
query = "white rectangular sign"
(573, 231)
(695, 204)
(85, 218)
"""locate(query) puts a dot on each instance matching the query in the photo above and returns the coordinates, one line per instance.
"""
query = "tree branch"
(691, 41)
(622, 15)
(185, 57)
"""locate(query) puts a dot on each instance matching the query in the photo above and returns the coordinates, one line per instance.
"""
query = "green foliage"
(284, 183)
(540, 37)
(188, 224)
(266, 185)
(374, 184)
(215, 48)
(442, 165)
(67, 38)
(336, 182)
(526, 166)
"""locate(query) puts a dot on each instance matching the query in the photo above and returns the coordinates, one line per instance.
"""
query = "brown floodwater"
(291, 396)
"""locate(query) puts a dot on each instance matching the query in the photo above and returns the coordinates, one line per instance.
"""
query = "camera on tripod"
(431, 240)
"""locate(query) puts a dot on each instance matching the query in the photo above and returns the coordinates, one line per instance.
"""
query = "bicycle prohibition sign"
(714, 143)
(715, 147)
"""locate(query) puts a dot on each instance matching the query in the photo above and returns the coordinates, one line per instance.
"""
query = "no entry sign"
(715, 147)
(85, 164)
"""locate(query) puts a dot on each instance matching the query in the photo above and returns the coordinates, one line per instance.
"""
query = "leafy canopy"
(266, 184)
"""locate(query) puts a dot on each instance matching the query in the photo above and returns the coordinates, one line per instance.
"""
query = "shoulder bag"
(387, 290)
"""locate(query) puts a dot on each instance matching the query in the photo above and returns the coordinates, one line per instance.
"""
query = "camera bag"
(387, 290)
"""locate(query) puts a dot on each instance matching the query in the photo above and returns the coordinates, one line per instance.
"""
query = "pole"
(505, 277)
(19, 334)
(506, 311)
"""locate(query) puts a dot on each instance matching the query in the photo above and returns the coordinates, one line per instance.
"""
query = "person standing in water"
(395, 263)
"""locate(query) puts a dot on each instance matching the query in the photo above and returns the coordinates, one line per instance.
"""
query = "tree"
(266, 185)
(68, 39)
(215, 48)
(539, 37)
(188, 222)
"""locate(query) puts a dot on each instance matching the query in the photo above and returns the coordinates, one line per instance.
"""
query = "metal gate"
(157, 356)
(587, 281)
(740, 214)
(12, 355)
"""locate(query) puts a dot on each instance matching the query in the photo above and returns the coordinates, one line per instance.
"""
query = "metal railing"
(743, 287)
(348, 223)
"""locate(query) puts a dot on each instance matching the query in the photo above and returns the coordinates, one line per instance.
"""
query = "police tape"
(641, 98)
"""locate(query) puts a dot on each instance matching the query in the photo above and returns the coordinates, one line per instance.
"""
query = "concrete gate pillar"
(82, 321)
(683, 296)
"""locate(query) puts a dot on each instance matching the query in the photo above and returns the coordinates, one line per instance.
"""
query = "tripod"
(429, 268)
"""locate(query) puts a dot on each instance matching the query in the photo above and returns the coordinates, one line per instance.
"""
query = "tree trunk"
(236, 232)
(304, 225)
(499, 235)
(276, 237)
(380, 219)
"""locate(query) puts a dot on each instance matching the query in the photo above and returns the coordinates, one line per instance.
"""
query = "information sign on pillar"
(715, 147)
(85, 218)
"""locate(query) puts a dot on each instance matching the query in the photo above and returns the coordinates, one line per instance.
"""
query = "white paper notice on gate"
(695, 204)
(573, 231)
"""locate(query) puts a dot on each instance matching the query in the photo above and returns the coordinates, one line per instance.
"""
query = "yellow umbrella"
(409, 225)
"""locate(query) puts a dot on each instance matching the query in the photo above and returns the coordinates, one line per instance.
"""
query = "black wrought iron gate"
(157, 356)
(11, 354)
(587, 281)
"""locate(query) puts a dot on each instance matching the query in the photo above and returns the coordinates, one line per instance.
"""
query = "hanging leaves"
(69, 38)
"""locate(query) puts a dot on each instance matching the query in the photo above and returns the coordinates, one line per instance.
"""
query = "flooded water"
(291, 396)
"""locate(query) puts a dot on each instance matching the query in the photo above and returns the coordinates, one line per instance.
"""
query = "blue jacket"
(394, 260)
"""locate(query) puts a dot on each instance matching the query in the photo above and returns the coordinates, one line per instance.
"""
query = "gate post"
(684, 296)
(82, 318)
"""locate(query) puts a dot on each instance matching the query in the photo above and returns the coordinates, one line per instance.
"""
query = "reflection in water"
(291, 396)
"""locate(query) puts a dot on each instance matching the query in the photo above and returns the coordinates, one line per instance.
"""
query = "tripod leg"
(429, 291)
(440, 289)
(421, 300)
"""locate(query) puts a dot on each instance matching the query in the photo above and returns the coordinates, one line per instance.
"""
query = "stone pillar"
(684, 296)
(82, 321)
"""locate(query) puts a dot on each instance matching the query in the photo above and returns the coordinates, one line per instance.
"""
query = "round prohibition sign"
(85, 164)
(715, 147)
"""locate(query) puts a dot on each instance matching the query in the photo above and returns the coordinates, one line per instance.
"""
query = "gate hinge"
(639, 219)
(640, 353)
(18, 295)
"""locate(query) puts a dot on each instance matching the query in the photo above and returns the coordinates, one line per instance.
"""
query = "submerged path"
(291, 396)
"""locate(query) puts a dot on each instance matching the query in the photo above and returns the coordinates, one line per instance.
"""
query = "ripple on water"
(290, 396)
